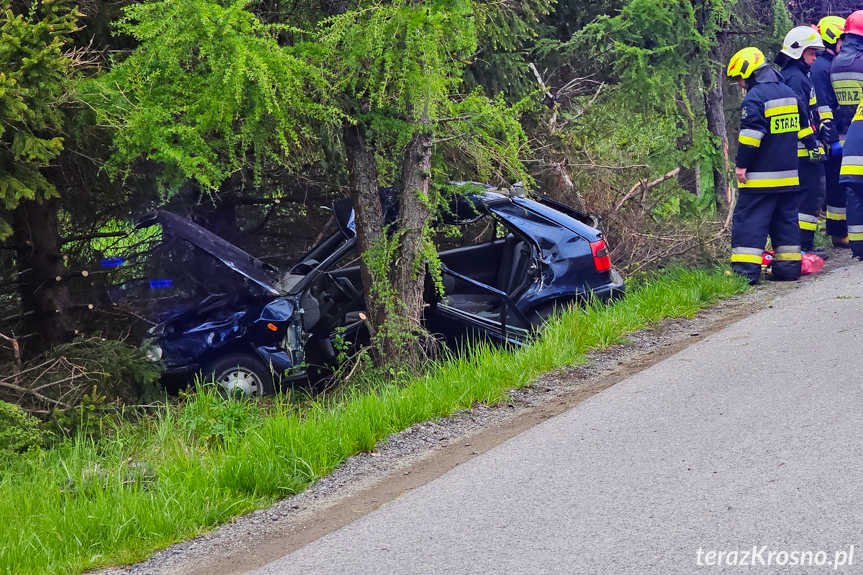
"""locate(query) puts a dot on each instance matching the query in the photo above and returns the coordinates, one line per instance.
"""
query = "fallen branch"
(551, 101)
(599, 166)
(17, 316)
(647, 186)
(26, 391)
(16, 353)
(542, 85)
(667, 253)
(732, 203)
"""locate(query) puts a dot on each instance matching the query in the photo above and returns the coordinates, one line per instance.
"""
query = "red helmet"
(854, 23)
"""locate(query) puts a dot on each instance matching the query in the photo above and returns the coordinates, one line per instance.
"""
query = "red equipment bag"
(811, 264)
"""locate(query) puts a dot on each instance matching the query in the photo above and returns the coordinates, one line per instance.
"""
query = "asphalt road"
(752, 437)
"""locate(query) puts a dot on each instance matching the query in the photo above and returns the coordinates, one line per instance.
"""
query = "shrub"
(19, 432)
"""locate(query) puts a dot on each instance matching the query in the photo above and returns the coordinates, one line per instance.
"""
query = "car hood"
(226, 252)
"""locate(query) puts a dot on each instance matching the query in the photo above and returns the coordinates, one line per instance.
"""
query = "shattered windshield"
(164, 276)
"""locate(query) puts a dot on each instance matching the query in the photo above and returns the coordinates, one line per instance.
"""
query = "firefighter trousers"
(756, 216)
(812, 183)
(854, 195)
(836, 224)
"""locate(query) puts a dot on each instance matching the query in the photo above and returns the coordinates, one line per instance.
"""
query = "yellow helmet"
(830, 28)
(746, 61)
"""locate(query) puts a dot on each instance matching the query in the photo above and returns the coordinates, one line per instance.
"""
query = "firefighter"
(831, 29)
(851, 177)
(766, 172)
(846, 78)
(798, 53)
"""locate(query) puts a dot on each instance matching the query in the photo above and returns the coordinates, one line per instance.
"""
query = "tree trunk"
(556, 184)
(687, 178)
(408, 272)
(45, 300)
(363, 183)
(714, 104)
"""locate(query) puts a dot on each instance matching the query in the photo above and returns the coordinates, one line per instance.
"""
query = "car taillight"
(601, 259)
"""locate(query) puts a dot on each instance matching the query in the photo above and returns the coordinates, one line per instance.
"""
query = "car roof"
(493, 199)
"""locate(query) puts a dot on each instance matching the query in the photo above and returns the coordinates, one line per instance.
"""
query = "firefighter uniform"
(771, 121)
(846, 78)
(851, 177)
(811, 169)
(819, 74)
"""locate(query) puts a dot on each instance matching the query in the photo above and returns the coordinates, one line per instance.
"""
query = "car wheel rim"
(239, 382)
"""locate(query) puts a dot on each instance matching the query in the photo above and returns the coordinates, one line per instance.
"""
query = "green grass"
(85, 504)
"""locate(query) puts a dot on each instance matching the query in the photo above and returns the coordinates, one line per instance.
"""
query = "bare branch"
(643, 184)
(69, 239)
(37, 395)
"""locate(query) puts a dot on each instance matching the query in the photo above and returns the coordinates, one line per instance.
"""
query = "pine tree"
(34, 74)
(36, 70)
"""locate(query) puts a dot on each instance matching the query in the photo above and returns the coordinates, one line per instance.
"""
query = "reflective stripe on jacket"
(771, 121)
(819, 75)
(846, 78)
(852, 152)
(796, 74)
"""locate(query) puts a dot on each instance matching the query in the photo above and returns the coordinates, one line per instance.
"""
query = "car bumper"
(611, 291)
(180, 370)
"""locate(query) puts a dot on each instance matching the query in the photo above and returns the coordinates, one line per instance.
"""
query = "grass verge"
(85, 503)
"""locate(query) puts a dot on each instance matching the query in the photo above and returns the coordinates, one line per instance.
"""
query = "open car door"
(504, 324)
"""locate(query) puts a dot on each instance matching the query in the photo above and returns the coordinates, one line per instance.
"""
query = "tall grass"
(85, 504)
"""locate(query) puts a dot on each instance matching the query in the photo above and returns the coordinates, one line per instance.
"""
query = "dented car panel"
(559, 268)
(499, 290)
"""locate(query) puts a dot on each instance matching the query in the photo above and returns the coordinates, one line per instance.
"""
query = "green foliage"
(781, 20)
(401, 66)
(93, 417)
(652, 45)
(97, 379)
(211, 418)
(209, 93)
(406, 56)
(34, 76)
(19, 432)
(398, 327)
(121, 371)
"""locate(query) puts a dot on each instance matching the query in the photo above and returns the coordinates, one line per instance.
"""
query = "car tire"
(241, 375)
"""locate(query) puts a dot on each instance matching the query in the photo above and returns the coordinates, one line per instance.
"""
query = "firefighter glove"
(816, 154)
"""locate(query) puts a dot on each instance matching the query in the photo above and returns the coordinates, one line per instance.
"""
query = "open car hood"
(226, 252)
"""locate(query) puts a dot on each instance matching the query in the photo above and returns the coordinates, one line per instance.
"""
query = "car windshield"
(166, 276)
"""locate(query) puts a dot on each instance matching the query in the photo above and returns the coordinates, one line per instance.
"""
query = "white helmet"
(800, 38)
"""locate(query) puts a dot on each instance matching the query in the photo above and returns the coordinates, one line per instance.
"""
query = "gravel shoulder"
(425, 451)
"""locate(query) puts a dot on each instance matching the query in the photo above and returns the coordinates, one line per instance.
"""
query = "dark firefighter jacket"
(851, 171)
(796, 74)
(846, 77)
(819, 75)
(770, 120)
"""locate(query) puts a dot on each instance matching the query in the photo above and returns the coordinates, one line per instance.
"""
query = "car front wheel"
(241, 375)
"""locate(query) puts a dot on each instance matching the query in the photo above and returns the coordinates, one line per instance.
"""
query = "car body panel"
(546, 247)
(564, 263)
(226, 252)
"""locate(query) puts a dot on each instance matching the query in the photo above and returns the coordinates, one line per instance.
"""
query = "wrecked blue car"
(254, 328)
